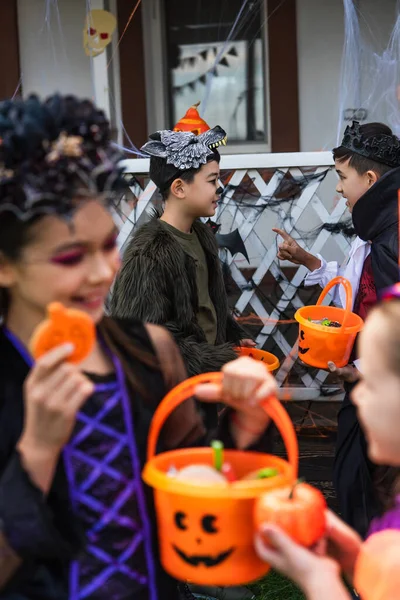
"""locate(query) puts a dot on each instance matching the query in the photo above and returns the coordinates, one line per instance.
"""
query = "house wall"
(52, 59)
(319, 42)
(52, 56)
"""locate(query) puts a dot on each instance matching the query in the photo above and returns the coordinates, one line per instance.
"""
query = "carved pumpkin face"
(203, 532)
(302, 348)
(208, 541)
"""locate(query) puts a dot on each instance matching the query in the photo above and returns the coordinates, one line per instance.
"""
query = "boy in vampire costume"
(368, 166)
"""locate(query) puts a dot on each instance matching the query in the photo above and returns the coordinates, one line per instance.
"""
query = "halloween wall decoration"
(318, 343)
(64, 326)
(265, 295)
(232, 242)
(369, 78)
(299, 511)
(97, 32)
(192, 122)
(206, 531)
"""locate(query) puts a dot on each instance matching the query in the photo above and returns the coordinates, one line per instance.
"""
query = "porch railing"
(293, 191)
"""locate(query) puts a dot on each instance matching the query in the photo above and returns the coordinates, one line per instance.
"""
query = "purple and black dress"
(389, 520)
(103, 471)
(94, 536)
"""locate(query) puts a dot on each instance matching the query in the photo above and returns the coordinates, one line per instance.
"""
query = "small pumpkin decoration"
(64, 325)
(192, 122)
(377, 573)
(299, 511)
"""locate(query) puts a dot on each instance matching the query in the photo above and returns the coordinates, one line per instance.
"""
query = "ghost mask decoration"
(97, 33)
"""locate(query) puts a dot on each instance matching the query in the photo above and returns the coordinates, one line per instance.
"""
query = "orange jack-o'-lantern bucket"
(206, 531)
(269, 360)
(319, 344)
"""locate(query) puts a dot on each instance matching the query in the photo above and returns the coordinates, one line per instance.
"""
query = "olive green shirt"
(206, 317)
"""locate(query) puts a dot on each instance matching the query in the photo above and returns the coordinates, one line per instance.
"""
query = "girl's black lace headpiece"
(53, 153)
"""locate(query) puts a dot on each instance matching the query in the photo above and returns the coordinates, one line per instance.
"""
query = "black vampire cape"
(375, 218)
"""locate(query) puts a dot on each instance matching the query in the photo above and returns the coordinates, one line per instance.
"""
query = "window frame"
(155, 57)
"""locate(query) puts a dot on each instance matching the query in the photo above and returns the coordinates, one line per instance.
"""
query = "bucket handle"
(185, 390)
(349, 295)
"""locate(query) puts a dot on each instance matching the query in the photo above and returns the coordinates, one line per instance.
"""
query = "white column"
(100, 73)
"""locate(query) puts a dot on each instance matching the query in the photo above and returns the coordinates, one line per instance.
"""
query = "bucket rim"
(348, 329)
(242, 489)
(274, 363)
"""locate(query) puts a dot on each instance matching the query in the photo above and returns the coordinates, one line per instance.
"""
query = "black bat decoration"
(213, 225)
(231, 241)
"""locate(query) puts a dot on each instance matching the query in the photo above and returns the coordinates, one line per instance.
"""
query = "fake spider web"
(265, 294)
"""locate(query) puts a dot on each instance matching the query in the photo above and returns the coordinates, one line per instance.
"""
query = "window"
(188, 51)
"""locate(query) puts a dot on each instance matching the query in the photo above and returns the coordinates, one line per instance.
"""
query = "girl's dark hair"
(390, 311)
(14, 236)
(52, 153)
(387, 486)
(128, 351)
(361, 163)
(41, 174)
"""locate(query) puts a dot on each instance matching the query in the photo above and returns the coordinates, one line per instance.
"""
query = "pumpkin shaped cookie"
(63, 326)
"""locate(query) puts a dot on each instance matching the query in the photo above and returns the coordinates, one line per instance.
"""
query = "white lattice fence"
(253, 205)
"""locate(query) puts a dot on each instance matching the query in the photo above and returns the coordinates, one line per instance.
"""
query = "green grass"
(276, 587)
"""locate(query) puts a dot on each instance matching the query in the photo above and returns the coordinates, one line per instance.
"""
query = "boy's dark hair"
(360, 163)
(164, 175)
